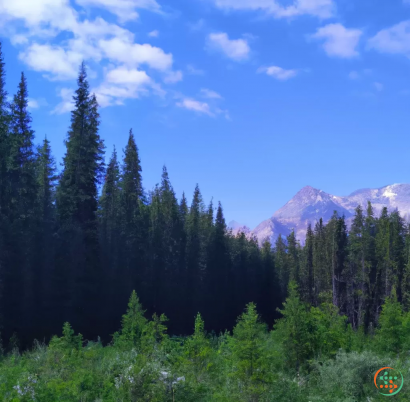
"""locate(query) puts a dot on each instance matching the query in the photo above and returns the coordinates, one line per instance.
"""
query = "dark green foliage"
(78, 274)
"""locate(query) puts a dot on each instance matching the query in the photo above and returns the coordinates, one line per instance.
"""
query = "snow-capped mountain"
(310, 204)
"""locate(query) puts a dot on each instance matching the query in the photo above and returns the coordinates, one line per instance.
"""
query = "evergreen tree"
(281, 262)
(247, 345)
(218, 275)
(195, 261)
(293, 258)
(165, 234)
(295, 330)
(22, 187)
(46, 220)
(134, 235)
(78, 262)
(359, 277)
(110, 232)
(307, 274)
(4, 199)
(322, 275)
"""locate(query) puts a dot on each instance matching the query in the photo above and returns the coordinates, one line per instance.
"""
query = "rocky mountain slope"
(310, 204)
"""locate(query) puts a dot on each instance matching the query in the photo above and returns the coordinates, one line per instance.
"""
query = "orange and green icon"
(388, 381)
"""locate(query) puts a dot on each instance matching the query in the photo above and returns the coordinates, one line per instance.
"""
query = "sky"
(251, 99)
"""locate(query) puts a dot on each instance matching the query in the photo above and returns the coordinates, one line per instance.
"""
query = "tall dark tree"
(83, 168)
(195, 256)
(307, 273)
(165, 228)
(133, 233)
(4, 148)
(46, 219)
(22, 188)
(110, 235)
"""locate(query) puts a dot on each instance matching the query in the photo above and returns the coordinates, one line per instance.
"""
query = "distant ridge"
(311, 204)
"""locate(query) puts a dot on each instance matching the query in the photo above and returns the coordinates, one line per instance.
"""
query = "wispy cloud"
(354, 75)
(196, 106)
(278, 72)
(125, 10)
(32, 24)
(207, 93)
(193, 70)
(154, 34)
(339, 41)
(393, 40)
(235, 49)
(317, 8)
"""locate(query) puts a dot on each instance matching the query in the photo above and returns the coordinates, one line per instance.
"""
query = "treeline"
(356, 270)
(70, 252)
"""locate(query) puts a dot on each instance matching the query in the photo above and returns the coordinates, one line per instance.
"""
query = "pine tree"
(281, 262)
(133, 323)
(295, 330)
(165, 233)
(78, 259)
(247, 345)
(46, 220)
(133, 220)
(384, 265)
(195, 258)
(110, 232)
(4, 203)
(218, 275)
(21, 212)
(293, 257)
(358, 278)
(307, 280)
(322, 275)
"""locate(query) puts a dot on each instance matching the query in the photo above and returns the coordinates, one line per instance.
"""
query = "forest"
(112, 292)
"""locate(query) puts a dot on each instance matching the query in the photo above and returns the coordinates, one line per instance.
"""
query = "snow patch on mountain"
(310, 204)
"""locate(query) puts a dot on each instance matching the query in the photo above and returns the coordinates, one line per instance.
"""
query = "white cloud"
(207, 93)
(32, 104)
(379, 87)
(235, 49)
(125, 10)
(338, 40)
(53, 60)
(393, 40)
(124, 76)
(316, 8)
(154, 34)
(36, 103)
(33, 24)
(123, 83)
(173, 76)
(278, 72)
(136, 54)
(193, 70)
(354, 75)
(192, 104)
(67, 103)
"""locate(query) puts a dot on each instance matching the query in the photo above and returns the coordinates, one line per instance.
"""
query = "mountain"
(311, 204)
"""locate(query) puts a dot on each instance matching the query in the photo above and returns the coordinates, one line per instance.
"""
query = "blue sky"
(252, 99)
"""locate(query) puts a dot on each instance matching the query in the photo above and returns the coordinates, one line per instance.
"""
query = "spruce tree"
(4, 199)
(195, 262)
(133, 232)
(78, 259)
(46, 173)
(22, 187)
(358, 279)
(110, 231)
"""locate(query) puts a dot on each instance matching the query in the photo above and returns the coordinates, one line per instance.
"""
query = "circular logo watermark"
(388, 381)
